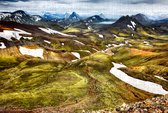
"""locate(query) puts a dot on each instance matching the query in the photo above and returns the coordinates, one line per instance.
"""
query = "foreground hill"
(76, 69)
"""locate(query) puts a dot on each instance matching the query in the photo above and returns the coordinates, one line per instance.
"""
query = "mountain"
(56, 16)
(163, 21)
(37, 18)
(74, 17)
(96, 18)
(19, 17)
(143, 19)
(127, 22)
(62, 17)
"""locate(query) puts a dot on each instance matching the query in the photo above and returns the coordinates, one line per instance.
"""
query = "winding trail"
(140, 84)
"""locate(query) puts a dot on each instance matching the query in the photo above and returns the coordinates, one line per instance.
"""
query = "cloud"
(12, 0)
(111, 8)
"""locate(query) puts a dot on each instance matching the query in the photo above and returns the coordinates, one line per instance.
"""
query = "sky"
(110, 8)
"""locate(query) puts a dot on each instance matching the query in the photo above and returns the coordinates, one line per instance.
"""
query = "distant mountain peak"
(19, 16)
(143, 19)
(20, 12)
(127, 22)
(102, 15)
(74, 17)
(95, 19)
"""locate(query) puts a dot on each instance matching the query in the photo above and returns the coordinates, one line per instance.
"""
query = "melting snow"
(85, 51)
(76, 54)
(4, 15)
(79, 42)
(118, 45)
(29, 38)
(22, 31)
(161, 78)
(147, 43)
(94, 49)
(32, 52)
(2, 45)
(129, 26)
(126, 42)
(114, 35)
(108, 45)
(130, 44)
(89, 28)
(132, 35)
(8, 34)
(140, 84)
(101, 36)
(133, 24)
(62, 44)
(47, 41)
(51, 31)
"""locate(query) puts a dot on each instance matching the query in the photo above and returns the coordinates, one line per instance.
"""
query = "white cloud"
(111, 8)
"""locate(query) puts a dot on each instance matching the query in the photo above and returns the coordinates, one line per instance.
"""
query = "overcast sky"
(110, 8)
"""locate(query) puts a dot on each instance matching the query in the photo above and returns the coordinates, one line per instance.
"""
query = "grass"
(38, 83)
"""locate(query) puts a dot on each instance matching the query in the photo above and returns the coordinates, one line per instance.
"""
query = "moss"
(8, 61)
(71, 30)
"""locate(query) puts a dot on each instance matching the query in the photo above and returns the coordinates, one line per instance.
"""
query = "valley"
(84, 66)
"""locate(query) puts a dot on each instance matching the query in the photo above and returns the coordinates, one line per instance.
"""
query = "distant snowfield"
(8, 34)
(32, 52)
(51, 31)
(140, 84)
(106, 22)
(77, 55)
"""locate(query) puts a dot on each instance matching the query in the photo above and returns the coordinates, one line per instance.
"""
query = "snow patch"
(126, 42)
(79, 42)
(147, 43)
(2, 45)
(77, 55)
(4, 15)
(115, 45)
(85, 51)
(101, 36)
(140, 84)
(47, 41)
(129, 26)
(22, 31)
(62, 44)
(8, 34)
(133, 24)
(161, 78)
(108, 45)
(29, 38)
(94, 49)
(51, 31)
(32, 52)
(114, 35)
(89, 28)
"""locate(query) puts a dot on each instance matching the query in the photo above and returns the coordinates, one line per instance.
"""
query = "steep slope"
(143, 19)
(19, 17)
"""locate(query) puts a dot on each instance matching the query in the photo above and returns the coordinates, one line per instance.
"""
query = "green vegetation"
(85, 84)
